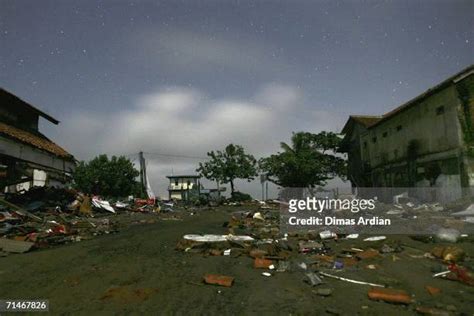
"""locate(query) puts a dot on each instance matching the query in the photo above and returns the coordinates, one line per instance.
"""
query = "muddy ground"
(138, 271)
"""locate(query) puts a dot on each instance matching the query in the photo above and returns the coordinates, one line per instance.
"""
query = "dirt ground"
(138, 271)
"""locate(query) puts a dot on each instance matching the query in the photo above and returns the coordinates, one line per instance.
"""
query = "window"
(440, 110)
(176, 182)
(374, 139)
(189, 183)
(365, 144)
(384, 135)
(399, 128)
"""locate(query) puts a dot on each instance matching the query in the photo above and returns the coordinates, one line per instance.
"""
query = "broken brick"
(433, 290)
(389, 295)
(217, 279)
(261, 263)
(257, 253)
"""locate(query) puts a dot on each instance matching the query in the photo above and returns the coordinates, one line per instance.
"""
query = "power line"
(163, 155)
(175, 156)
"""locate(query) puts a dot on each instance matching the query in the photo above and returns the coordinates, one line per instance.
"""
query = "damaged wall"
(427, 142)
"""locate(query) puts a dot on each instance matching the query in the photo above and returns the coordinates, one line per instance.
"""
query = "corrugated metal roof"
(38, 141)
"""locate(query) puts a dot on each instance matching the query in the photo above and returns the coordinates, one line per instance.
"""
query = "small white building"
(181, 187)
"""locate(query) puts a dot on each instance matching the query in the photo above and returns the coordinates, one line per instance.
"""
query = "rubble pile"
(319, 258)
(45, 216)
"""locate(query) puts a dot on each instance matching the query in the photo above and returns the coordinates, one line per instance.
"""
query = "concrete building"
(27, 157)
(426, 142)
(182, 187)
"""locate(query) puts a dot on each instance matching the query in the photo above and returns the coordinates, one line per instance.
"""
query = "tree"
(228, 165)
(108, 177)
(310, 161)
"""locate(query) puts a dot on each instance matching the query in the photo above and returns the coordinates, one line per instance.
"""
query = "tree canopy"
(107, 177)
(309, 161)
(228, 165)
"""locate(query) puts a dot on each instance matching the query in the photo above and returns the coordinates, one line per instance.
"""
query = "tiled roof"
(38, 141)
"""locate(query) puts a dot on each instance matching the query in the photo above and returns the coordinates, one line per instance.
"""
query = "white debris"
(436, 207)
(303, 265)
(395, 212)
(327, 234)
(397, 198)
(448, 234)
(375, 238)
(469, 211)
(216, 238)
(259, 216)
(105, 205)
(352, 236)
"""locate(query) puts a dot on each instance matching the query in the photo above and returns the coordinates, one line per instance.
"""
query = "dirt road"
(138, 271)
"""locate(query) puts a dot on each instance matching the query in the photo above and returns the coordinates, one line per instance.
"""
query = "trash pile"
(46, 216)
(318, 257)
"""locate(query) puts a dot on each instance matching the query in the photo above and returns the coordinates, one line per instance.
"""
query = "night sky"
(184, 77)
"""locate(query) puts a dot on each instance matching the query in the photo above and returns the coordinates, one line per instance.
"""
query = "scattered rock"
(324, 292)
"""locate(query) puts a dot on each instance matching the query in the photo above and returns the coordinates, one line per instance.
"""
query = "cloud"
(191, 51)
(279, 97)
(181, 123)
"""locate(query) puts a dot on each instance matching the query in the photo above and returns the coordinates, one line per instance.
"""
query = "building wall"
(465, 89)
(182, 183)
(176, 196)
(429, 145)
(432, 126)
(423, 146)
(355, 163)
(40, 179)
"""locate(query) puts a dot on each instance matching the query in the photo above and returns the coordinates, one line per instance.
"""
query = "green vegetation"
(107, 177)
(309, 161)
(228, 165)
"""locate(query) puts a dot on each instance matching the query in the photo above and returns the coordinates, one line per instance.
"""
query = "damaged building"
(428, 142)
(27, 157)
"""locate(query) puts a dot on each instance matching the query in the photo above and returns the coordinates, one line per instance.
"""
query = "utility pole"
(143, 177)
(263, 179)
(266, 189)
